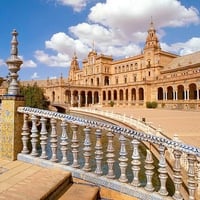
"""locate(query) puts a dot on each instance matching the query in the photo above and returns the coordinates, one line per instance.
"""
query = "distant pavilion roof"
(183, 61)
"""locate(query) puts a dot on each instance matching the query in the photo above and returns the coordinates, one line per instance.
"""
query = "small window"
(116, 80)
(125, 80)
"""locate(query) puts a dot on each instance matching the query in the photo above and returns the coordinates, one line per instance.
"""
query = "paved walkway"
(186, 124)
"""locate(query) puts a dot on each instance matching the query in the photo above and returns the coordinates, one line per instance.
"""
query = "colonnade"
(179, 92)
(79, 97)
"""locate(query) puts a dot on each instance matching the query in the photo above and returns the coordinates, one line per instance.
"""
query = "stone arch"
(141, 94)
(192, 91)
(75, 96)
(89, 97)
(180, 92)
(96, 97)
(170, 93)
(83, 101)
(104, 95)
(109, 95)
(115, 95)
(126, 94)
(133, 94)
(67, 96)
(121, 95)
(160, 93)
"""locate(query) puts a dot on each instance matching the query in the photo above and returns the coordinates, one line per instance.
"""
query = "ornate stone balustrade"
(147, 128)
(115, 167)
(143, 126)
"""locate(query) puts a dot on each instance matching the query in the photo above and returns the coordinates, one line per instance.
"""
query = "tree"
(34, 96)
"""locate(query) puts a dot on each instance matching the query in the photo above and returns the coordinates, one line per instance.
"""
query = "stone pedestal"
(11, 127)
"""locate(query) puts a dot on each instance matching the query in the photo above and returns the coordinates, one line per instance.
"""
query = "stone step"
(41, 184)
(79, 191)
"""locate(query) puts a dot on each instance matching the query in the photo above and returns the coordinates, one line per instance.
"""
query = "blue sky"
(50, 31)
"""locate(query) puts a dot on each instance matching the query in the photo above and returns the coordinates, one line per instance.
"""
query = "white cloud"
(133, 15)
(119, 28)
(77, 5)
(60, 42)
(52, 77)
(35, 75)
(27, 63)
(60, 60)
(2, 62)
(183, 48)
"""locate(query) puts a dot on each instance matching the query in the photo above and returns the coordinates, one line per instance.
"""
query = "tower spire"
(152, 39)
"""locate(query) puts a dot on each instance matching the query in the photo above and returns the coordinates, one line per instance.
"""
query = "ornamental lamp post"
(14, 63)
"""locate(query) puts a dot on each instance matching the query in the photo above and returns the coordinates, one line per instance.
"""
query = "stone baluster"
(163, 171)
(110, 156)
(149, 171)
(198, 177)
(135, 163)
(192, 185)
(34, 135)
(25, 135)
(53, 140)
(123, 159)
(98, 153)
(64, 143)
(75, 146)
(43, 138)
(177, 175)
(87, 149)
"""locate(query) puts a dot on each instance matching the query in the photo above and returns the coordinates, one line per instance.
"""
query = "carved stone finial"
(14, 43)
(14, 63)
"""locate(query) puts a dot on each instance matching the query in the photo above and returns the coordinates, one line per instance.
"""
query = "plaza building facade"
(153, 76)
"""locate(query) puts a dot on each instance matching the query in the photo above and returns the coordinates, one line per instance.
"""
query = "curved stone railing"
(112, 166)
(138, 123)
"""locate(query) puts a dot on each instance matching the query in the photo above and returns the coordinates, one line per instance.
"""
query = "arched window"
(53, 96)
(97, 81)
(141, 94)
(106, 80)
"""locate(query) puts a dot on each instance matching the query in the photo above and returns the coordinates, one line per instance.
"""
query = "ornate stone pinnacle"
(14, 63)
(14, 43)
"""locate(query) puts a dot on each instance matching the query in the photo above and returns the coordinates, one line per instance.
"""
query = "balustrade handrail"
(168, 143)
(143, 126)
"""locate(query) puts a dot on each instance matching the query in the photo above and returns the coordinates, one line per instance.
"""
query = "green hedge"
(112, 103)
(152, 104)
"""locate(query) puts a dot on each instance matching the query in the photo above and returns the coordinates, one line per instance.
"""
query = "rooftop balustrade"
(111, 156)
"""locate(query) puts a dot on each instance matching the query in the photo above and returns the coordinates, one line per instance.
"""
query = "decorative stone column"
(72, 100)
(79, 100)
(86, 100)
(11, 121)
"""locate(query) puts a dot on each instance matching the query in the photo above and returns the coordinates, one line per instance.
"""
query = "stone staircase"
(81, 191)
(23, 181)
